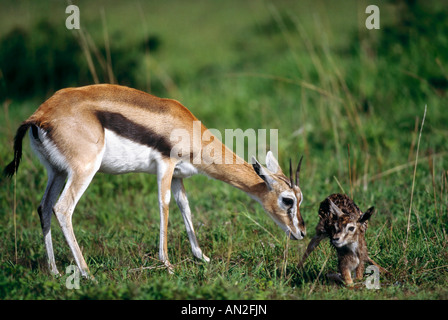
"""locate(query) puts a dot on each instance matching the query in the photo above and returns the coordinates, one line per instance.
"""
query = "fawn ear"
(366, 215)
(335, 209)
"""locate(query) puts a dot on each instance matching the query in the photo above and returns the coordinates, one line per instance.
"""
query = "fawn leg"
(377, 265)
(360, 271)
(311, 246)
(346, 276)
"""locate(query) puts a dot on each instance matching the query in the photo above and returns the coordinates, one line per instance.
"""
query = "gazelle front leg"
(180, 196)
(165, 169)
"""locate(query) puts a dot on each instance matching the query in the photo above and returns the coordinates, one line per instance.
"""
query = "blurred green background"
(348, 98)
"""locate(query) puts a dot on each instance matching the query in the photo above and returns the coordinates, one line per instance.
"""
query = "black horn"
(290, 173)
(298, 171)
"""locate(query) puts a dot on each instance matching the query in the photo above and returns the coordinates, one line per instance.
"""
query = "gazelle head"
(347, 227)
(283, 197)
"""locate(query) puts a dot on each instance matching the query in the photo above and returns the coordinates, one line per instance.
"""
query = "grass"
(309, 69)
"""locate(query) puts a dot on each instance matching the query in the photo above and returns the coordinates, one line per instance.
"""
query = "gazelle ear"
(272, 163)
(366, 215)
(263, 173)
(335, 210)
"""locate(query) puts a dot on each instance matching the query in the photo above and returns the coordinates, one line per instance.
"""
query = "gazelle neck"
(235, 171)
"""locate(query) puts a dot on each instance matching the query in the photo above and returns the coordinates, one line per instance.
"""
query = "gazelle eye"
(351, 228)
(288, 202)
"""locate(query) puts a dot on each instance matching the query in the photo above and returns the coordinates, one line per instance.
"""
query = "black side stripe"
(128, 129)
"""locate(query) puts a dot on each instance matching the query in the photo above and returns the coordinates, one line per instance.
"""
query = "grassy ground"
(310, 69)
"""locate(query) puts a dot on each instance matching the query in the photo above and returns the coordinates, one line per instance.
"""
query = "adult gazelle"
(114, 129)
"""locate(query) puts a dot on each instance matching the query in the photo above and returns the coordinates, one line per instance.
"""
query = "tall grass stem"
(413, 180)
(14, 212)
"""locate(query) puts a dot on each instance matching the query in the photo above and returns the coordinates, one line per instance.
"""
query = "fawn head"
(283, 196)
(347, 226)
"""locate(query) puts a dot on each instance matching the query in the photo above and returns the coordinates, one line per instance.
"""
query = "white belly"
(122, 155)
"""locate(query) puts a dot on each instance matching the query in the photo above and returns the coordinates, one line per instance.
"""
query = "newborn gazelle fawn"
(343, 222)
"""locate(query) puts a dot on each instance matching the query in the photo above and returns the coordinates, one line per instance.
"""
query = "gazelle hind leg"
(54, 186)
(177, 186)
(77, 183)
